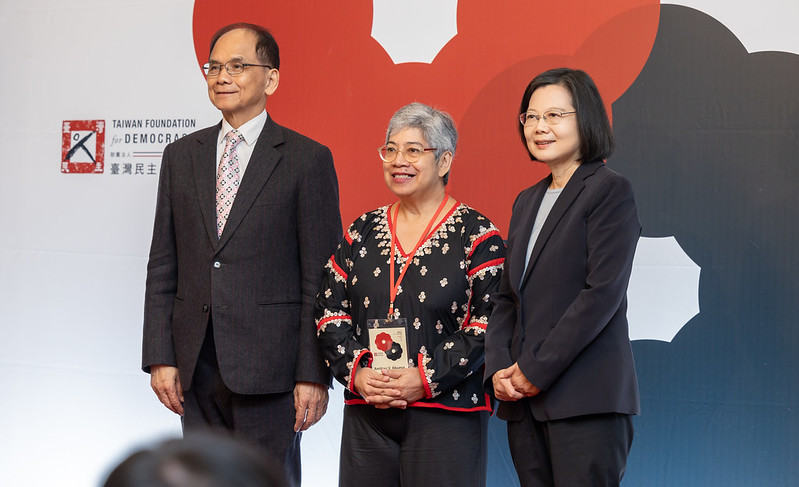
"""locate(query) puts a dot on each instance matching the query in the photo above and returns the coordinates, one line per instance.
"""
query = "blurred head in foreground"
(199, 460)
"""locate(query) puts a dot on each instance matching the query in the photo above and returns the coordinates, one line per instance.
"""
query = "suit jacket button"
(217, 265)
(205, 308)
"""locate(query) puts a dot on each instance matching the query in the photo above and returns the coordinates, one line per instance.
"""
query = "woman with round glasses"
(401, 319)
(558, 353)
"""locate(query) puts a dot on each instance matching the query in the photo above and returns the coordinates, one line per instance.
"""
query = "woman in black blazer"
(558, 353)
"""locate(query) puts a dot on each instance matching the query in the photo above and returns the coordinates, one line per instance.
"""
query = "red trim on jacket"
(431, 405)
(332, 318)
(478, 241)
(490, 263)
(476, 324)
(355, 362)
(428, 394)
(337, 269)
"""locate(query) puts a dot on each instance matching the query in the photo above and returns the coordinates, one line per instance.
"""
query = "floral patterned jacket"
(444, 297)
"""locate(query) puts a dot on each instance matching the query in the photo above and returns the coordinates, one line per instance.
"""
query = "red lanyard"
(392, 226)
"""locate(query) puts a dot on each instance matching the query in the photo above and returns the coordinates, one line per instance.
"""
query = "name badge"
(388, 343)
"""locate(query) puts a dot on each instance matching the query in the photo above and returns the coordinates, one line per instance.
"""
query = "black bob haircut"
(596, 135)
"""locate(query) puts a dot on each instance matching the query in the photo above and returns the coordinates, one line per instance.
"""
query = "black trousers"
(585, 451)
(412, 447)
(266, 420)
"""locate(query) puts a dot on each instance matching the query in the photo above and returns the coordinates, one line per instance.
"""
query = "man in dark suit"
(236, 259)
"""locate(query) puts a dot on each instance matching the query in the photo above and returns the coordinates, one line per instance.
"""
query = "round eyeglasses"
(233, 68)
(411, 154)
(550, 117)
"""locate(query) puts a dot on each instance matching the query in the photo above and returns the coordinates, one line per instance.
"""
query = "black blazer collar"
(566, 199)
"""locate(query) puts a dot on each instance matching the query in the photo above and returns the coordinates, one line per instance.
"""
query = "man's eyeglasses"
(233, 68)
(550, 117)
(411, 154)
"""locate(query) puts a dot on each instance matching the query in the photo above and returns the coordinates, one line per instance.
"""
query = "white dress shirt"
(250, 130)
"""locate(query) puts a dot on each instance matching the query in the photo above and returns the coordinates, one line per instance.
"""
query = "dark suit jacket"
(258, 282)
(566, 323)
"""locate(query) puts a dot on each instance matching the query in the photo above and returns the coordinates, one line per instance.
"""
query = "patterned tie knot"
(232, 139)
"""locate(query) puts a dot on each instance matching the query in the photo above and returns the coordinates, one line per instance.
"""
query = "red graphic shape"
(383, 341)
(83, 146)
(340, 87)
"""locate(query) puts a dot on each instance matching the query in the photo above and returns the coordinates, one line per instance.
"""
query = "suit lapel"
(526, 220)
(205, 165)
(567, 197)
(263, 161)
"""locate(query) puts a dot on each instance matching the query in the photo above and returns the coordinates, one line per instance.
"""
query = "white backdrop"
(73, 400)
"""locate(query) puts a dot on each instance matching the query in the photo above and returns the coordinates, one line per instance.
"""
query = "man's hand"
(520, 382)
(511, 385)
(165, 382)
(503, 389)
(310, 404)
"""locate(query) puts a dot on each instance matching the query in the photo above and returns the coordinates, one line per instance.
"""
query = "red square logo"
(83, 146)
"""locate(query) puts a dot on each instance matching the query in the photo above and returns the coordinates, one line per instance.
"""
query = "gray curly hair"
(436, 126)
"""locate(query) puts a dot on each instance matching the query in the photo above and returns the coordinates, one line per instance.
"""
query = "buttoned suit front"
(256, 283)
